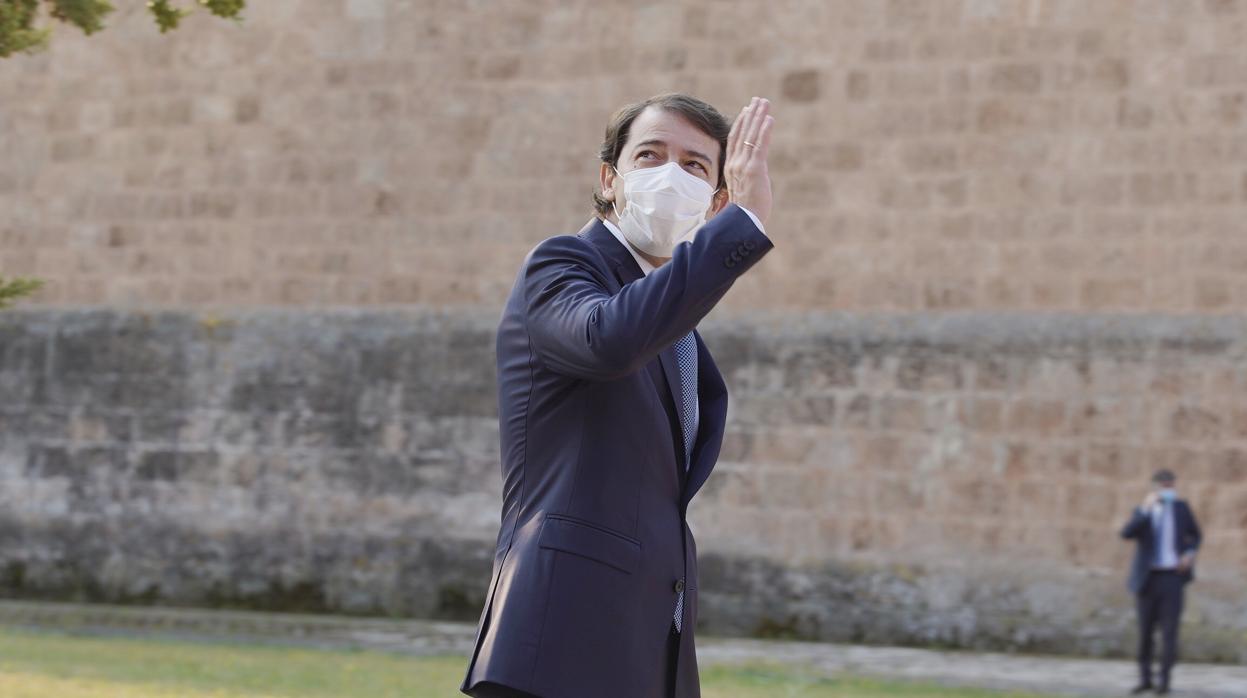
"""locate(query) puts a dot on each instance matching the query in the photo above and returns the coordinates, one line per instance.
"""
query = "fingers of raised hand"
(764, 137)
(747, 116)
(758, 112)
(749, 138)
(733, 136)
(737, 152)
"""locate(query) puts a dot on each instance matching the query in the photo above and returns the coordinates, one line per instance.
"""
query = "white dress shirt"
(1163, 528)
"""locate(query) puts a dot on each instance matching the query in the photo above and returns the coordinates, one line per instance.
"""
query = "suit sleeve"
(578, 329)
(1136, 525)
(1192, 541)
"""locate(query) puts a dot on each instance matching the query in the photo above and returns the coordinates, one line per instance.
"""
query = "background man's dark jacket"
(1186, 536)
(594, 548)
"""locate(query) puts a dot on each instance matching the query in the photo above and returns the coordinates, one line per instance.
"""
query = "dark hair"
(1163, 476)
(706, 118)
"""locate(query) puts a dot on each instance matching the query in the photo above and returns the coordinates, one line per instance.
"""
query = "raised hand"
(745, 170)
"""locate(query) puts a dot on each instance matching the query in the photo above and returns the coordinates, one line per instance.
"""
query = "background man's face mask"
(665, 206)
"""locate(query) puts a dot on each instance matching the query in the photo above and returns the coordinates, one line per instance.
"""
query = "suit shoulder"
(571, 249)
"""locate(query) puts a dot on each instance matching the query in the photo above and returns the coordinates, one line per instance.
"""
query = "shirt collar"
(646, 267)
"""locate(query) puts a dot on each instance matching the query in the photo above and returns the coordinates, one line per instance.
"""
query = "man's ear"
(607, 175)
(717, 203)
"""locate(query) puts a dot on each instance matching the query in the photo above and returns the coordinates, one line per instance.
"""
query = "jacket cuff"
(738, 244)
(753, 217)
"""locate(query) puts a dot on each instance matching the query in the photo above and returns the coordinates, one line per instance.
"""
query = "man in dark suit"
(1166, 540)
(612, 412)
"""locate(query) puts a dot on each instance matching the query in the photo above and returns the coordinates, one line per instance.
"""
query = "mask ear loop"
(615, 200)
(712, 195)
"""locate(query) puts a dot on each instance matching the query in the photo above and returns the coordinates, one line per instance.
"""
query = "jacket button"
(679, 585)
(736, 256)
(750, 245)
(729, 263)
(742, 249)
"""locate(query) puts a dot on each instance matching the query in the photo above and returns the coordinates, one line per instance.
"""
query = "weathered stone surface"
(928, 155)
(954, 480)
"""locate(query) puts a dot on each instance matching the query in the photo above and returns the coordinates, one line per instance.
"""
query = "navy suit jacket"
(594, 548)
(1186, 537)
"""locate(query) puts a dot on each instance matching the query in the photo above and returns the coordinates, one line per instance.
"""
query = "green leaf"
(17, 32)
(87, 15)
(167, 16)
(229, 9)
(16, 288)
(17, 18)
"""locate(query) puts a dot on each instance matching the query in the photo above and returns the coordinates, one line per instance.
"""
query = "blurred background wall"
(1009, 282)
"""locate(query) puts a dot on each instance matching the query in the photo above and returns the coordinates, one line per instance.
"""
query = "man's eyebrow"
(652, 141)
(691, 153)
(700, 156)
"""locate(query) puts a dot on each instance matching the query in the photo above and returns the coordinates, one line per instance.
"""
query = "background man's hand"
(1149, 501)
(745, 169)
(1185, 562)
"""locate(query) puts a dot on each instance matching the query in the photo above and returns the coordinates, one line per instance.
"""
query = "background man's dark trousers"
(1159, 603)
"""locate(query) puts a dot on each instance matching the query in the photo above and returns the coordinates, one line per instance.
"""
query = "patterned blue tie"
(686, 359)
(690, 421)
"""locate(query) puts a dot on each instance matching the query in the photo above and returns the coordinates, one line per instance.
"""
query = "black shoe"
(1141, 688)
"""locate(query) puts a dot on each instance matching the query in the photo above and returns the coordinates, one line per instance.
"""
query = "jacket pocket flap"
(590, 541)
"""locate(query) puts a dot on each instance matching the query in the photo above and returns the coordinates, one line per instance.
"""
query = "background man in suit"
(611, 411)
(1166, 538)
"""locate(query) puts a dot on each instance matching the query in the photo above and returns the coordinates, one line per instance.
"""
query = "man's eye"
(646, 154)
(698, 165)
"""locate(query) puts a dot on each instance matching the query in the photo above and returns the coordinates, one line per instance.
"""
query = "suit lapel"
(712, 404)
(1181, 526)
(671, 368)
(626, 271)
(617, 256)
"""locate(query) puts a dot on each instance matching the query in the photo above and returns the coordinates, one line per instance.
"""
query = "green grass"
(39, 665)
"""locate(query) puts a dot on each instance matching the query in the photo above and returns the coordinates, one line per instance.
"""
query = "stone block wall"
(1051, 155)
(278, 462)
(956, 481)
(1009, 282)
(961, 479)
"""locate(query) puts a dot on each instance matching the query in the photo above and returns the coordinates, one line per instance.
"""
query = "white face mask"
(665, 207)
